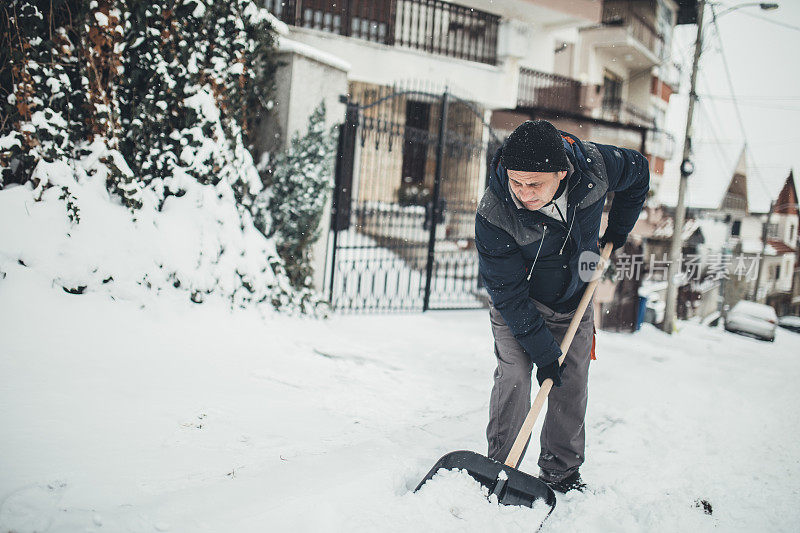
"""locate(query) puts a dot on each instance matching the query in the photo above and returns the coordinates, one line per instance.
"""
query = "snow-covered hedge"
(298, 184)
(200, 243)
(124, 156)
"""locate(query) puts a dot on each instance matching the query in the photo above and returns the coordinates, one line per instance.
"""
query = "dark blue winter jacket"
(508, 238)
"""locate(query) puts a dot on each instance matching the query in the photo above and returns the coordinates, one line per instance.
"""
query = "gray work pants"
(563, 438)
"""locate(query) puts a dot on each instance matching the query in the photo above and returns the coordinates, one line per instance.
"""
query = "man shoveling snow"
(540, 212)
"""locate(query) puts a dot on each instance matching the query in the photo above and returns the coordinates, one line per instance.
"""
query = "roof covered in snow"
(779, 247)
(288, 45)
(666, 227)
(718, 170)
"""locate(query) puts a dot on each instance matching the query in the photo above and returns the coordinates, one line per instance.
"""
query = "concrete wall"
(784, 282)
(307, 78)
(379, 64)
(302, 84)
(787, 227)
(751, 229)
(639, 90)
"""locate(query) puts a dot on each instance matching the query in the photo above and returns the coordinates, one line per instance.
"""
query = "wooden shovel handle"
(527, 426)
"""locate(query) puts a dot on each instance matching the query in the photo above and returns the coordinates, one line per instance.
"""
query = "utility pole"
(687, 167)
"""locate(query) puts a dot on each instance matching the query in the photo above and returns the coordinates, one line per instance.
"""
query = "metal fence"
(432, 26)
(548, 91)
(410, 171)
(620, 111)
(623, 13)
(448, 29)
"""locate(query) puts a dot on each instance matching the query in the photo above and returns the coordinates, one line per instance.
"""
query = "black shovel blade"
(518, 488)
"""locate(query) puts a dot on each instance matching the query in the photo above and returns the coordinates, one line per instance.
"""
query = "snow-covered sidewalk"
(161, 415)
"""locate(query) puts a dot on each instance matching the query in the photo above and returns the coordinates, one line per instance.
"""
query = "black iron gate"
(410, 171)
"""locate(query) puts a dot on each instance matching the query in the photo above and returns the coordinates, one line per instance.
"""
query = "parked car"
(791, 323)
(752, 318)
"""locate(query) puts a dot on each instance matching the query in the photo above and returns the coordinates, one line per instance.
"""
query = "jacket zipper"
(574, 212)
(569, 230)
(541, 242)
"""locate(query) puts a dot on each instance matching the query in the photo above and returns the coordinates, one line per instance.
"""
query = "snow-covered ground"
(155, 414)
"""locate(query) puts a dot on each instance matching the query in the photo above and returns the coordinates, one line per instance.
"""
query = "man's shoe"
(571, 482)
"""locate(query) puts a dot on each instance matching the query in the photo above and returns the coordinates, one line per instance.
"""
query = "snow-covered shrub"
(298, 182)
(126, 124)
(42, 104)
(196, 72)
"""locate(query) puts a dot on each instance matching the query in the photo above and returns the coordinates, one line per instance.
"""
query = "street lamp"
(687, 165)
(763, 5)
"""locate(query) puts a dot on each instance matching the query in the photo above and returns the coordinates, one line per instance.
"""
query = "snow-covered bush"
(126, 128)
(207, 67)
(298, 183)
(43, 111)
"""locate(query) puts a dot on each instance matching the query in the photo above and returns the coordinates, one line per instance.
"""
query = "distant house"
(714, 203)
(742, 240)
(780, 256)
(721, 238)
(795, 302)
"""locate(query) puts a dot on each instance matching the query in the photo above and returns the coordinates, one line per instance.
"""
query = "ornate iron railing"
(622, 14)
(448, 29)
(549, 91)
(620, 111)
(432, 26)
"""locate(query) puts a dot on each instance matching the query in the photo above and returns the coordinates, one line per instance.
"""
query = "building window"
(736, 229)
(772, 230)
(612, 91)
(734, 201)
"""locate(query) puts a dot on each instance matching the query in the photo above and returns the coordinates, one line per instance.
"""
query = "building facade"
(600, 70)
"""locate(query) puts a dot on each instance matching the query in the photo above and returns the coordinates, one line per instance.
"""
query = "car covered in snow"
(752, 318)
(791, 323)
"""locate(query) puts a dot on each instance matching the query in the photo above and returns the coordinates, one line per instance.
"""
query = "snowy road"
(176, 417)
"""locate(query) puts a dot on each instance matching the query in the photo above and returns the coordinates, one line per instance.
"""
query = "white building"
(598, 69)
(780, 253)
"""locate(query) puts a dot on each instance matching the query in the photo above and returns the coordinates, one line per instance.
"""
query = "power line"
(647, 70)
(707, 43)
(760, 106)
(722, 157)
(735, 101)
(749, 97)
(682, 60)
(771, 21)
(707, 108)
(777, 142)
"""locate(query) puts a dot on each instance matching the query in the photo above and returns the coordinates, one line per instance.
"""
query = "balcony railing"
(447, 29)
(661, 143)
(641, 30)
(371, 20)
(432, 26)
(549, 91)
(619, 111)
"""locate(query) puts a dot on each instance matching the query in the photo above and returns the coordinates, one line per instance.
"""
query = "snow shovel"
(511, 486)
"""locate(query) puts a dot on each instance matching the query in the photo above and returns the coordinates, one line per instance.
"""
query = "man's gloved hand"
(617, 239)
(552, 371)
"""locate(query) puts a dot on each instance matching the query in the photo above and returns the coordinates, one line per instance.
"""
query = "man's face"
(534, 189)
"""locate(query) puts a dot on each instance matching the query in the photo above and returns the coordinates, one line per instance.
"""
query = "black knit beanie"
(535, 146)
